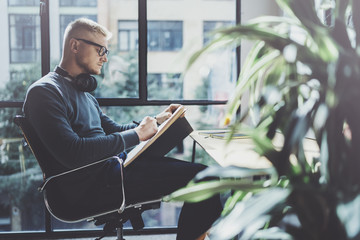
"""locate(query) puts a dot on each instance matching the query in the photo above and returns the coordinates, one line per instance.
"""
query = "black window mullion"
(238, 49)
(45, 66)
(45, 37)
(143, 94)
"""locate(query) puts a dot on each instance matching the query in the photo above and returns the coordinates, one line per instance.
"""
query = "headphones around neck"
(83, 82)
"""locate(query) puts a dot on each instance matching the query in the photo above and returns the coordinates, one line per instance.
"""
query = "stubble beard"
(88, 68)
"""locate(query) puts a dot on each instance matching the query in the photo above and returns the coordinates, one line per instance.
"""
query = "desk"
(240, 152)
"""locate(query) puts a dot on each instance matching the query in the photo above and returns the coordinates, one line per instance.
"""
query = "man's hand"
(166, 114)
(146, 129)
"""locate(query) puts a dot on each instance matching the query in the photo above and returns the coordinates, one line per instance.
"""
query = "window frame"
(142, 100)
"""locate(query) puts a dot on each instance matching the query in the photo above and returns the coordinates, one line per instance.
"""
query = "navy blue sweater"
(71, 124)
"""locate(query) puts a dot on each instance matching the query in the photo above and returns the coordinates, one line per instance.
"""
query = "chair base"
(114, 221)
(120, 234)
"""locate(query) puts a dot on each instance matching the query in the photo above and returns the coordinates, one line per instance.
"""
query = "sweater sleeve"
(47, 112)
(109, 127)
(107, 123)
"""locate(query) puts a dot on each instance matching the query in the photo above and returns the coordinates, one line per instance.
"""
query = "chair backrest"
(70, 196)
(48, 164)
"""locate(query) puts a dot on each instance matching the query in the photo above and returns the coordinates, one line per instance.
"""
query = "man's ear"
(74, 45)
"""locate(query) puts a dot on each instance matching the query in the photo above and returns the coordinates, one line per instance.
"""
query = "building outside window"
(78, 3)
(128, 36)
(165, 35)
(210, 26)
(162, 35)
(24, 38)
(23, 2)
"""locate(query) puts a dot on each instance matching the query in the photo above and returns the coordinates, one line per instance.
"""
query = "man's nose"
(104, 58)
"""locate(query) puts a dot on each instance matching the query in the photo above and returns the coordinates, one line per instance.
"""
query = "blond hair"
(87, 25)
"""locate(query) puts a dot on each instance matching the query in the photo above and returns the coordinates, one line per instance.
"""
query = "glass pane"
(172, 82)
(174, 33)
(20, 61)
(121, 74)
(21, 204)
(24, 34)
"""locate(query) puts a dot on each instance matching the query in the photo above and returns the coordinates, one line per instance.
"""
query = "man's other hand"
(166, 114)
(146, 129)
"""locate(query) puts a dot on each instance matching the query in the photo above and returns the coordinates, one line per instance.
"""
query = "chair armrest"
(74, 195)
(76, 170)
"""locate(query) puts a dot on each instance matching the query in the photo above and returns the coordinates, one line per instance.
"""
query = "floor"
(140, 237)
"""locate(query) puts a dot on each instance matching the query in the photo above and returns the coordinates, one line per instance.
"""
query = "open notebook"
(170, 133)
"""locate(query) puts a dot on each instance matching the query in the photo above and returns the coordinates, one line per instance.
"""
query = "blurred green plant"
(20, 174)
(303, 76)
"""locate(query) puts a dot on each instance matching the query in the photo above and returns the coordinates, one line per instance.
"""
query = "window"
(24, 38)
(165, 35)
(23, 2)
(128, 35)
(142, 76)
(78, 3)
(210, 26)
(162, 36)
(220, 78)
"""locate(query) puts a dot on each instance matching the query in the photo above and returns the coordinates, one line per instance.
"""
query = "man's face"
(88, 57)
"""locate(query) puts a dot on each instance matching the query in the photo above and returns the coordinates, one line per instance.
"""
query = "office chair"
(62, 188)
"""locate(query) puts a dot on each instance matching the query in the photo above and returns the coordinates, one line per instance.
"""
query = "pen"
(137, 123)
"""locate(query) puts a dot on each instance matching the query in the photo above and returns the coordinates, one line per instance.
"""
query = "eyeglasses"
(102, 51)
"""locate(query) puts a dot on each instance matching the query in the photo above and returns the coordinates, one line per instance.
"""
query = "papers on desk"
(239, 151)
(226, 152)
(226, 134)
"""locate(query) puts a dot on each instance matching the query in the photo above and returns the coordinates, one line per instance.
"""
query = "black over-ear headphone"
(83, 82)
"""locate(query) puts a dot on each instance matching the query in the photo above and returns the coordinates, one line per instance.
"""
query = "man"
(73, 128)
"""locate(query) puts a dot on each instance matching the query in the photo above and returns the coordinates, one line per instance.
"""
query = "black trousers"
(155, 177)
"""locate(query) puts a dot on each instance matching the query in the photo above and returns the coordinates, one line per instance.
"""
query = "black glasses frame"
(102, 51)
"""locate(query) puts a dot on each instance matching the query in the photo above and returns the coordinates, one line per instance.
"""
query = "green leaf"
(204, 190)
(274, 233)
(235, 197)
(249, 216)
(262, 143)
(304, 10)
(231, 178)
(349, 213)
(249, 76)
